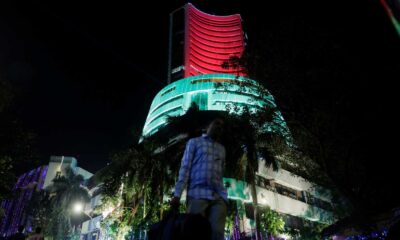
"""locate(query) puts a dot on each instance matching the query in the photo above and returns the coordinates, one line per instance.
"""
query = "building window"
(168, 91)
(286, 191)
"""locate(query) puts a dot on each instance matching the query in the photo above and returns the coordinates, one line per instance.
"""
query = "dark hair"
(217, 118)
(21, 228)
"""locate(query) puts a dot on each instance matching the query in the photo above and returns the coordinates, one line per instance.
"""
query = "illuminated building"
(196, 75)
(15, 210)
(36, 180)
(176, 98)
(203, 43)
(392, 7)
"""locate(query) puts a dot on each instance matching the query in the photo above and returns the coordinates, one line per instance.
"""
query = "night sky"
(86, 72)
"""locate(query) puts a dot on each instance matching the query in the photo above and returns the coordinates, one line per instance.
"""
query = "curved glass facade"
(210, 40)
(207, 42)
(209, 92)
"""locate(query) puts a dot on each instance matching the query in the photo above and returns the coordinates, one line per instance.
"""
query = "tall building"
(199, 47)
(200, 43)
(392, 7)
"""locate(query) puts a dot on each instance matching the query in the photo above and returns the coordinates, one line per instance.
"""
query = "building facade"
(209, 92)
(201, 43)
(36, 180)
(198, 76)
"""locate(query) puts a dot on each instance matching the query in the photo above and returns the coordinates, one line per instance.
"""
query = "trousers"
(213, 210)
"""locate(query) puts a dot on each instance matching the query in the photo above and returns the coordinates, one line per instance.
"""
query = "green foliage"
(232, 212)
(312, 233)
(39, 209)
(271, 222)
(303, 150)
(134, 188)
(308, 232)
(245, 140)
(248, 142)
(317, 112)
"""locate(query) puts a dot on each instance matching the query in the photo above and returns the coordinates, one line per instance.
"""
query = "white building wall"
(84, 173)
(290, 180)
(60, 164)
(287, 205)
(91, 225)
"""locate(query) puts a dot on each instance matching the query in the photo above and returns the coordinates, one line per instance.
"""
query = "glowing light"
(78, 207)
(177, 97)
(210, 41)
(61, 163)
(391, 9)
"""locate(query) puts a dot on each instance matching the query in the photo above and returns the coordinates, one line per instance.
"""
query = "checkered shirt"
(202, 169)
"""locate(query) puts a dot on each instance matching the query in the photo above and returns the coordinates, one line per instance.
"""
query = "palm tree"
(245, 140)
(246, 145)
(134, 187)
(150, 168)
(65, 191)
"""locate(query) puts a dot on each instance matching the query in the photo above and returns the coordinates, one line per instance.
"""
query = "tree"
(311, 134)
(248, 134)
(271, 222)
(61, 196)
(312, 232)
(39, 209)
(134, 188)
(245, 140)
(336, 96)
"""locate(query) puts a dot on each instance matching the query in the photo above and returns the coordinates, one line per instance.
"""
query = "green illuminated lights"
(209, 92)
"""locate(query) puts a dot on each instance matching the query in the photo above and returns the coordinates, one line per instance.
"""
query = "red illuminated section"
(210, 41)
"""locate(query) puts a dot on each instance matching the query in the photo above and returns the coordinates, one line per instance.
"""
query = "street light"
(78, 208)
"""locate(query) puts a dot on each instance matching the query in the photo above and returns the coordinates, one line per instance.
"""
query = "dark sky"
(86, 71)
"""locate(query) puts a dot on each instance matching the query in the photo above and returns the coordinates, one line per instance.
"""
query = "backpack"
(169, 228)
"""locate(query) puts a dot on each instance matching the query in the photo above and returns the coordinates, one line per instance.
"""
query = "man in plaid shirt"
(201, 172)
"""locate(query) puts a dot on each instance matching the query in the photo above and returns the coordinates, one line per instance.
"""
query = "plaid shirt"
(202, 169)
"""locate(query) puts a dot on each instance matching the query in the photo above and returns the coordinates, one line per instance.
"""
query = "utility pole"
(171, 22)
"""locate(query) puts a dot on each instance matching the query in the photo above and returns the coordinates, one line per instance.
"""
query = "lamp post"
(78, 208)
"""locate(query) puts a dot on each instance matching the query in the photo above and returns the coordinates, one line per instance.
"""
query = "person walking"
(201, 173)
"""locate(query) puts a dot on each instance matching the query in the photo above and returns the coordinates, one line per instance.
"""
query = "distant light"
(78, 207)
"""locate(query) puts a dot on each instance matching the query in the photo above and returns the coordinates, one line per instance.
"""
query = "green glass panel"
(201, 100)
(209, 92)
(236, 189)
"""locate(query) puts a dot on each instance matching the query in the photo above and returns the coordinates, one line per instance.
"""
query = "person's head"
(215, 129)
(38, 229)
(21, 228)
